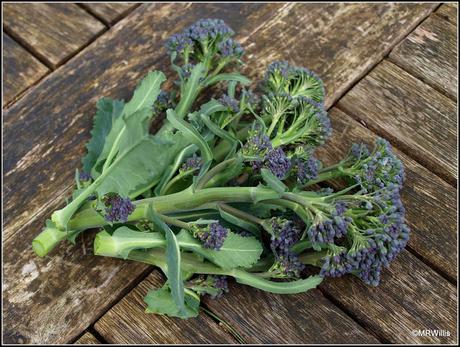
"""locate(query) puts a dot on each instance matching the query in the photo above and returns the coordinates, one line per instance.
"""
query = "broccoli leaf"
(161, 301)
(173, 259)
(108, 111)
(237, 251)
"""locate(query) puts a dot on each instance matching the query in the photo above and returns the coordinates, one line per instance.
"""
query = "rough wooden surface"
(87, 339)
(265, 318)
(448, 12)
(341, 42)
(53, 31)
(430, 54)
(46, 156)
(420, 120)
(430, 202)
(21, 69)
(410, 297)
(127, 322)
(109, 13)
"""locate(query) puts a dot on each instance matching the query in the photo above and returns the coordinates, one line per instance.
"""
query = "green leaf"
(141, 158)
(273, 181)
(190, 90)
(108, 111)
(191, 134)
(228, 77)
(146, 93)
(237, 251)
(161, 301)
(173, 259)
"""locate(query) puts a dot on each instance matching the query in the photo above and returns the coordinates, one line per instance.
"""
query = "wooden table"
(390, 71)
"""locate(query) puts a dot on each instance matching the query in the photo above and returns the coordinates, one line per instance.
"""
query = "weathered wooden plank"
(88, 339)
(430, 202)
(410, 297)
(420, 120)
(127, 322)
(430, 54)
(265, 318)
(109, 12)
(339, 41)
(449, 12)
(53, 31)
(21, 69)
(46, 157)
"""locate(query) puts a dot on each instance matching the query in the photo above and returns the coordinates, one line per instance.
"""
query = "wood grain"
(53, 31)
(449, 12)
(21, 69)
(127, 322)
(45, 133)
(87, 339)
(341, 42)
(410, 297)
(430, 202)
(419, 120)
(109, 13)
(430, 54)
(265, 318)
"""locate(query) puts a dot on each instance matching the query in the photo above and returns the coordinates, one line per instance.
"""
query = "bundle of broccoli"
(221, 189)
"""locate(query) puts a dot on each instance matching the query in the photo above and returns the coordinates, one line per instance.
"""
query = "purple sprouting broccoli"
(277, 162)
(193, 163)
(296, 81)
(229, 102)
(163, 102)
(373, 170)
(230, 48)
(306, 170)
(220, 283)
(212, 236)
(329, 225)
(117, 209)
(84, 176)
(284, 234)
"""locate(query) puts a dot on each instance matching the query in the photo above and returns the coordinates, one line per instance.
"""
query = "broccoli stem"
(190, 263)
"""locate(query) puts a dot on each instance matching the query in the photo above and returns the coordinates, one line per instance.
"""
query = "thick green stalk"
(190, 263)
(324, 176)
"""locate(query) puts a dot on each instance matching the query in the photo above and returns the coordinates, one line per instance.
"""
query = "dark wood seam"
(103, 20)
(132, 285)
(420, 77)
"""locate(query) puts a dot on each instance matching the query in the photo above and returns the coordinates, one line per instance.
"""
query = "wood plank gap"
(432, 266)
(93, 14)
(90, 331)
(227, 327)
(103, 20)
(353, 316)
(386, 52)
(132, 285)
(97, 335)
(406, 150)
(28, 47)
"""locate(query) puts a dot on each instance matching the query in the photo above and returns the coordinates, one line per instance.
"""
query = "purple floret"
(230, 102)
(277, 162)
(117, 208)
(84, 176)
(213, 236)
(193, 163)
(230, 47)
(307, 169)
